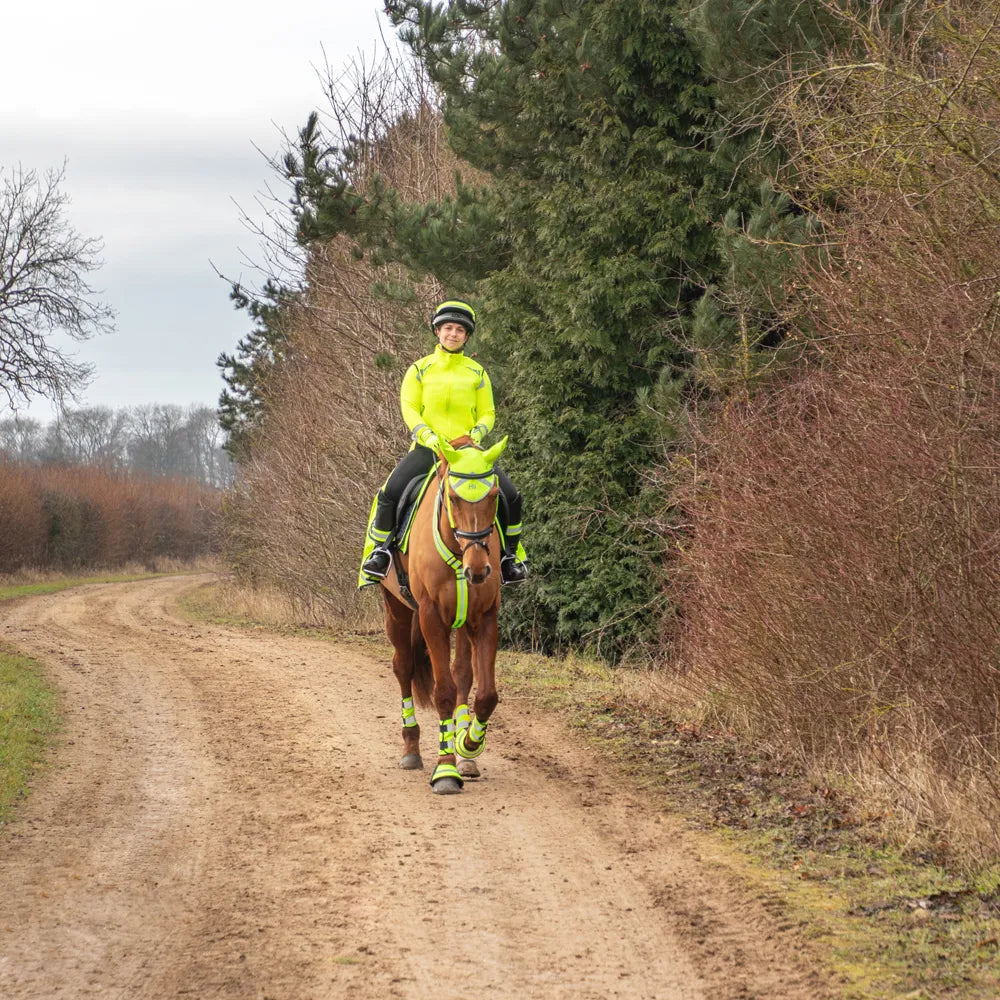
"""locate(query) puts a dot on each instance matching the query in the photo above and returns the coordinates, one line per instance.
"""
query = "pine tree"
(593, 122)
(246, 371)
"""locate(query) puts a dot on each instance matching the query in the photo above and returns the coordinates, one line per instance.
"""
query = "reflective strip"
(461, 584)
(378, 536)
(478, 731)
(515, 529)
(415, 433)
(462, 717)
(447, 738)
(446, 771)
(409, 713)
(464, 748)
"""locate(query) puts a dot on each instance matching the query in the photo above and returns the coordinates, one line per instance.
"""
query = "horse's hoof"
(411, 762)
(446, 786)
(468, 769)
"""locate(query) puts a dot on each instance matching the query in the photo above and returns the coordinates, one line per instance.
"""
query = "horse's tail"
(423, 673)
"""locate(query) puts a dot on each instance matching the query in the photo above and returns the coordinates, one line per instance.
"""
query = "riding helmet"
(454, 311)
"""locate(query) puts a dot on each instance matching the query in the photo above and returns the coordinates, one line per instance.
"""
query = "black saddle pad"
(407, 505)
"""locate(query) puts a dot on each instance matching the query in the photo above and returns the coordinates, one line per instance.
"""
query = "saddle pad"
(407, 509)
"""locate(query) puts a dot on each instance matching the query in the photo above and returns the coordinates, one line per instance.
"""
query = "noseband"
(474, 537)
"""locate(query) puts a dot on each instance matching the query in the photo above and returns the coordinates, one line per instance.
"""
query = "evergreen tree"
(246, 371)
(593, 119)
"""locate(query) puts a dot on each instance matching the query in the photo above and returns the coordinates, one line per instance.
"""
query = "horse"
(454, 580)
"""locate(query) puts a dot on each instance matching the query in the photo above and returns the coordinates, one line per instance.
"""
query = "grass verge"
(28, 720)
(894, 921)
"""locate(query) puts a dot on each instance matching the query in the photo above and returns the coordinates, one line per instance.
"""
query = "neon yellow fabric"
(364, 580)
(461, 584)
(446, 395)
(446, 771)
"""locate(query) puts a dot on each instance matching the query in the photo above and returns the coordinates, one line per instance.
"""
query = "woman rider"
(448, 396)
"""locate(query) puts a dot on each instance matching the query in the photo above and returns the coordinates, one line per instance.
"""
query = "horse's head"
(470, 488)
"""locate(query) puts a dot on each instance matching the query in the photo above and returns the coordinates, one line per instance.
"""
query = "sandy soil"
(225, 818)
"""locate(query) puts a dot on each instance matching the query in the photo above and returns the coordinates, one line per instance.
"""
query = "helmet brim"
(454, 317)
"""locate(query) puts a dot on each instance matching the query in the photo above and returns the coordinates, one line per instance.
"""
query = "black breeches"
(420, 461)
(417, 462)
(513, 498)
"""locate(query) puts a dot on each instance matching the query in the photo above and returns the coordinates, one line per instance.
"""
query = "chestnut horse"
(453, 564)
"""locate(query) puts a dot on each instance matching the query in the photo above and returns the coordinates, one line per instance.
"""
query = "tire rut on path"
(224, 818)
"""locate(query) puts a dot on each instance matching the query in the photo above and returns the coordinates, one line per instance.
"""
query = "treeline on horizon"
(151, 440)
(736, 270)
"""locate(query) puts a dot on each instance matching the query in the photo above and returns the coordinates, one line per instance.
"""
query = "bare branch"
(43, 288)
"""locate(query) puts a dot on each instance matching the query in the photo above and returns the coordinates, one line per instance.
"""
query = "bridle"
(471, 538)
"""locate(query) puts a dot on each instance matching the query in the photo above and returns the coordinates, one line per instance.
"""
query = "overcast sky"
(156, 110)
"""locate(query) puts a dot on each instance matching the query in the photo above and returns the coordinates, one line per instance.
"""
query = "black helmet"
(455, 312)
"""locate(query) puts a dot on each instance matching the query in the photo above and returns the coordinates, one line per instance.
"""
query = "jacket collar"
(448, 357)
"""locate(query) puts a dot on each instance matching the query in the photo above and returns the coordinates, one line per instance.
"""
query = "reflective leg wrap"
(462, 719)
(409, 714)
(445, 749)
(475, 734)
(446, 743)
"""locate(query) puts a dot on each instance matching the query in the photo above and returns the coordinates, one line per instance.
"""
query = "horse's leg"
(398, 620)
(445, 780)
(472, 742)
(461, 670)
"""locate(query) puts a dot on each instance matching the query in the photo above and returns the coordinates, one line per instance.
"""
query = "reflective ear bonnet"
(471, 487)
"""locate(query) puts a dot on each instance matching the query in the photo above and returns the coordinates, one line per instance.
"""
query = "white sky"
(157, 109)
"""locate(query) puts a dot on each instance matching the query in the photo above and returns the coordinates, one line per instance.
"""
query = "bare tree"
(43, 287)
(20, 439)
(95, 435)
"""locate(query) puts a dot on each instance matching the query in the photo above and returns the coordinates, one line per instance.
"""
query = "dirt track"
(225, 818)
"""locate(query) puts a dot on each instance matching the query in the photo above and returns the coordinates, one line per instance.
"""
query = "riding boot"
(512, 567)
(380, 532)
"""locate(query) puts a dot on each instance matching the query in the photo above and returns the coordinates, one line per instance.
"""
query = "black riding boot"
(377, 564)
(512, 570)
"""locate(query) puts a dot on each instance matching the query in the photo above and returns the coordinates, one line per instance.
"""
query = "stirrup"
(378, 571)
(512, 570)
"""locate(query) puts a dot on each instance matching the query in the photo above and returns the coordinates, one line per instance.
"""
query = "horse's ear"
(495, 452)
(451, 455)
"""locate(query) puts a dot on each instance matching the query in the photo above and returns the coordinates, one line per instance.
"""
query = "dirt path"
(226, 819)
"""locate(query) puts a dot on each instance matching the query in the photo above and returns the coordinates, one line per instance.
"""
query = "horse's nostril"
(471, 576)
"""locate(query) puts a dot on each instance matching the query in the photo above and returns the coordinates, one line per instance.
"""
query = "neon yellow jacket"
(448, 395)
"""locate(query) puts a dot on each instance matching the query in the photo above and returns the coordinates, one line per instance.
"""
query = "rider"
(444, 396)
